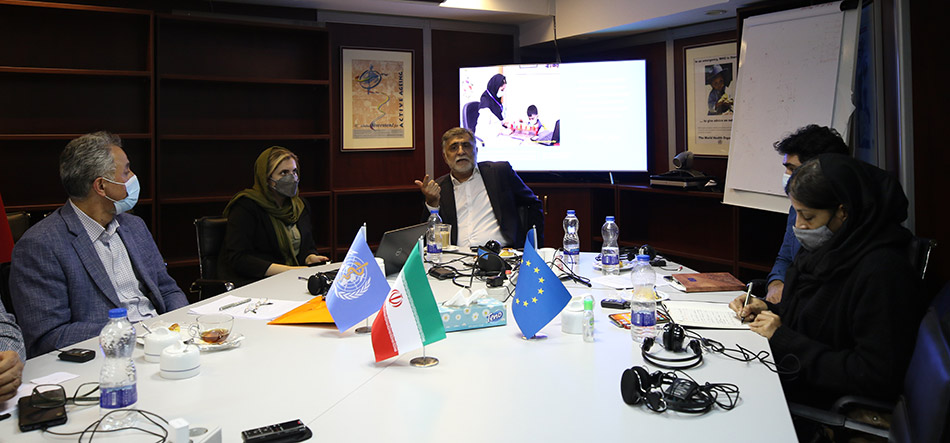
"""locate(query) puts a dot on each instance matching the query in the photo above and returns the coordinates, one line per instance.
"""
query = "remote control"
(275, 432)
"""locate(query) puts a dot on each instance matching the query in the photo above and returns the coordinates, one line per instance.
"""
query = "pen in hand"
(748, 292)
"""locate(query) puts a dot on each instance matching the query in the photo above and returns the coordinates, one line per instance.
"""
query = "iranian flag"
(409, 318)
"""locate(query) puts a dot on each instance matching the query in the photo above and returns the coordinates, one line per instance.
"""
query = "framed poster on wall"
(377, 92)
(710, 94)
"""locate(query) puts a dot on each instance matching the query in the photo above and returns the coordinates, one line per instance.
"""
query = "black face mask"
(286, 186)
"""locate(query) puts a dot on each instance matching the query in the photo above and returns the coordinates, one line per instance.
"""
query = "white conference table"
(490, 384)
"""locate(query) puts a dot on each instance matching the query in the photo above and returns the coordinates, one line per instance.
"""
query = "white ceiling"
(575, 18)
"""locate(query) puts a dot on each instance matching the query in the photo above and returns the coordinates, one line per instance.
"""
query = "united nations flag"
(359, 288)
(539, 295)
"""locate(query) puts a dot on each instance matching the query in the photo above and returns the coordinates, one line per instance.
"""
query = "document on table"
(254, 309)
(704, 315)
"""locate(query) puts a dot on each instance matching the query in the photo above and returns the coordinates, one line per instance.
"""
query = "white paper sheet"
(704, 315)
(264, 312)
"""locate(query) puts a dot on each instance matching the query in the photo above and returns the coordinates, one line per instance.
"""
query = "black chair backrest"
(5, 296)
(919, 253)
(19, 223)
(470, 115)
(210, 232)
(921, 412)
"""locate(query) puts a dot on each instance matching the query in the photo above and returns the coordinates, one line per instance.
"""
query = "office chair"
(919, 251)
(19, 223)
(210, 232)
(5, 295)
(921, 411)
(470, 118)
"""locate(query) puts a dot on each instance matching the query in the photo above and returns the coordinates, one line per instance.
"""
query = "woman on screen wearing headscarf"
(851, 305)
(491, 112)
(269, 227)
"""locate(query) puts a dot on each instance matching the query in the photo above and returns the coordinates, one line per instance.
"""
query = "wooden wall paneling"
(385, 168)
(29, 173)
(557, 199)
(73, 37)
(221, 168)
(452, 50)
(223, 49)
(381, 210)
(67, 104)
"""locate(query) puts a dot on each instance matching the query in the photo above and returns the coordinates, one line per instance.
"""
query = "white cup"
(572, 317)
(157, 341)
(180, 361)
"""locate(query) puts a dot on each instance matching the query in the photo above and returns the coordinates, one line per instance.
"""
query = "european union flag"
(360, 288)
(539, 294)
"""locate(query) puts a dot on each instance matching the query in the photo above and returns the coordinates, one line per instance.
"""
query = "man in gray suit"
(88, 256)
(12, 355)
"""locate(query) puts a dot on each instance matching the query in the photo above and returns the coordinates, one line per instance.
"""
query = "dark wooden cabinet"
(693, 228)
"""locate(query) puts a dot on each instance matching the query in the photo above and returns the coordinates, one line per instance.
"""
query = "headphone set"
(674, 338)
(637, 385)
(319, 283)
(489, 262)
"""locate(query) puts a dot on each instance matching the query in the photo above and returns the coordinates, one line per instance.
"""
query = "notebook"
(396, 245)
(709, 282)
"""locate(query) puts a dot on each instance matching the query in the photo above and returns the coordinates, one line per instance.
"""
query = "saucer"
(231, 342)
(450, 248)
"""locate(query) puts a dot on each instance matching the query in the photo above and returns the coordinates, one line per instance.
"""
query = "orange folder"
(313, 311)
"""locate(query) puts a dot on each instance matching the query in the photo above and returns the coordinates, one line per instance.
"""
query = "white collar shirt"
(476, 219)
(115, 259)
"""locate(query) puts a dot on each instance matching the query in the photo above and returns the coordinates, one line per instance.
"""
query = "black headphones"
(319, 283)
(637, 385)
(489, 262)
(674, 337)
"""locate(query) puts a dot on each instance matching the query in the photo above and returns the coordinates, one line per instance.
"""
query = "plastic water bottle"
(117, 377)
(610, 252)
(588, 319)
(643, 305)
(433, 242)
(572, 243)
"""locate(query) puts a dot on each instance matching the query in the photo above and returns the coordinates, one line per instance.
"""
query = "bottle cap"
(433, 211)
(588, 304)
(610, 218)
(570, 212)
(643, 257)
(117, 313)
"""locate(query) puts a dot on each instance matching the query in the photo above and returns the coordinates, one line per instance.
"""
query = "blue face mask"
(812, 239)
(132, 189)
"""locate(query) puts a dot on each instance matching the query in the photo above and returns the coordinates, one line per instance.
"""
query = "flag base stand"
(365, 329)
(537, 336)
(424, 362)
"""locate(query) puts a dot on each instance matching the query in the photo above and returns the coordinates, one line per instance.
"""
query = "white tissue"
(465, 297)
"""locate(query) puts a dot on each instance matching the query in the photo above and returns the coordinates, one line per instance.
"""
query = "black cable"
(93, 427)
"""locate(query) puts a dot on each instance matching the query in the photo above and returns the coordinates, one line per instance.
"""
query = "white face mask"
(501, 93)
(132, 197)
(785, 178)
(812, 239)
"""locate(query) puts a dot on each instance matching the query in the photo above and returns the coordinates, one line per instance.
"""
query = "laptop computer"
(396, 245)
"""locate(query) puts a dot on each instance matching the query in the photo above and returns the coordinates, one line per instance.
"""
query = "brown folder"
(709, 282)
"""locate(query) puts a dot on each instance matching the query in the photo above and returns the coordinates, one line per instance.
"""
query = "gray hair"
(85, 159)
(456, 132)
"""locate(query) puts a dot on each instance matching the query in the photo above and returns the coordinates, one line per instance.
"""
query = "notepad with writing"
(709, 282)
(697, 314)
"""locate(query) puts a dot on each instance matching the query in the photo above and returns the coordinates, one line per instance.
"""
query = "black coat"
(250, 246)
(507, 192)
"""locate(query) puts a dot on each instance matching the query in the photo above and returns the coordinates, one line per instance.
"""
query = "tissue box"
(484, 313)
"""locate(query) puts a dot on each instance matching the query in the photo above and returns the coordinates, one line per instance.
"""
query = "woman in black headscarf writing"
(491, 112)
(269, 227)
(851, 305)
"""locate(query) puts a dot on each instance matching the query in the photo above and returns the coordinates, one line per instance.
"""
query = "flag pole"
(366, 328)
(424, 362)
